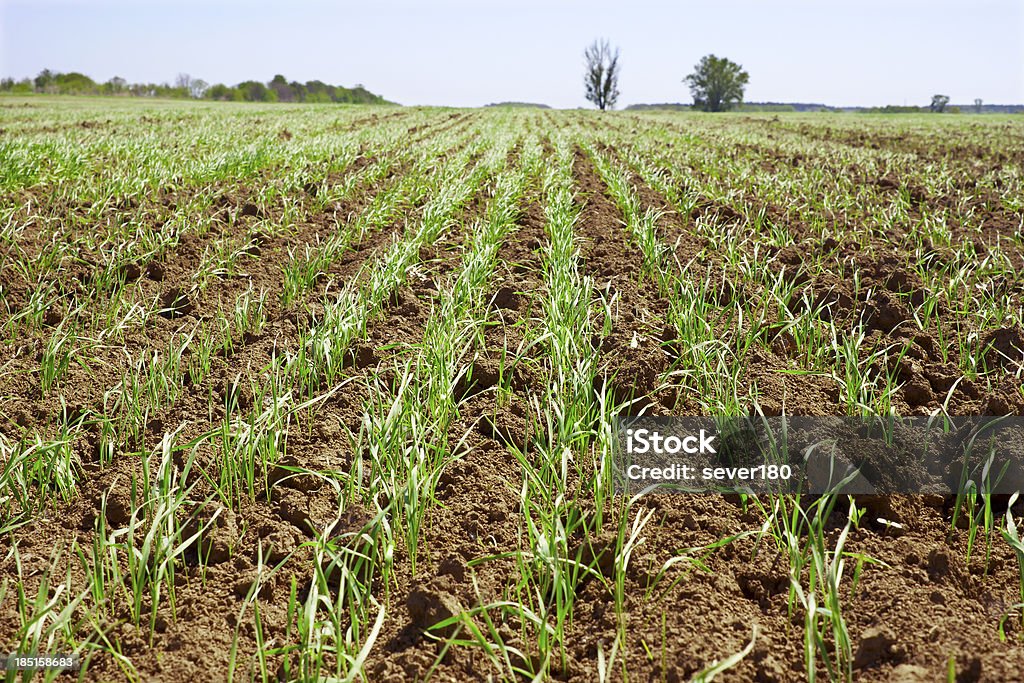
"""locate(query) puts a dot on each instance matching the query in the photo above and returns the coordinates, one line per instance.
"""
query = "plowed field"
(295, 392)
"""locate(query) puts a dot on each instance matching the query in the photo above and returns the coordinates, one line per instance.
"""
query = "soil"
(918, 604)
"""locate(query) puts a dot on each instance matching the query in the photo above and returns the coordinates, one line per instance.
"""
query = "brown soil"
(708, 613)
(920, 606)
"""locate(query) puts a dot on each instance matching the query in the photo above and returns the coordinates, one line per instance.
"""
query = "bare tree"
(939, 103)
(602, 75)
(977, 105)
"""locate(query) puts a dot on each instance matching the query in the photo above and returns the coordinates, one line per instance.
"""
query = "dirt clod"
(1003, 348)
(175, 303)
(876, 644)
(249, 209)
(155, 272)
(507, 298)
(433, 603)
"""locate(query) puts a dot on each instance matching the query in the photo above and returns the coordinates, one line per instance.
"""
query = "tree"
(43, 80)
(22, 87)
(142, 89)
(222, 92)
(74, 83)
(717, 83)
(254, 91)
(115, 86)
(279, 84)
(601, 78)
(939, 103)
(977, 106)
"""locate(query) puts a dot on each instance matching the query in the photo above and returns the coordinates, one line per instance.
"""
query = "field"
(304, 392)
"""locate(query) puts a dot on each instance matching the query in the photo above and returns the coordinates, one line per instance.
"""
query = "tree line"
(278, 89)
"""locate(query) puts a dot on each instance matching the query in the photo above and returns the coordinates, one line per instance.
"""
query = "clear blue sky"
(458, 52)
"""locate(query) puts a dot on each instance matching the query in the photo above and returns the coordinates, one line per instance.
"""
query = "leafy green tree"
(74, 83)
(44, 80)
(717, 83)
(23, 86)
(316, 91)
(115, 86)
(254, 91)
(222, 92)
(601, 78)
(298, 90)
(285, 92)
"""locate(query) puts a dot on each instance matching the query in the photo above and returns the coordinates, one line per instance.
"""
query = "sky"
(463, 53)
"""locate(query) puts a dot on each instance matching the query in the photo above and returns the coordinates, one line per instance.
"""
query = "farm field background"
(289, 392)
